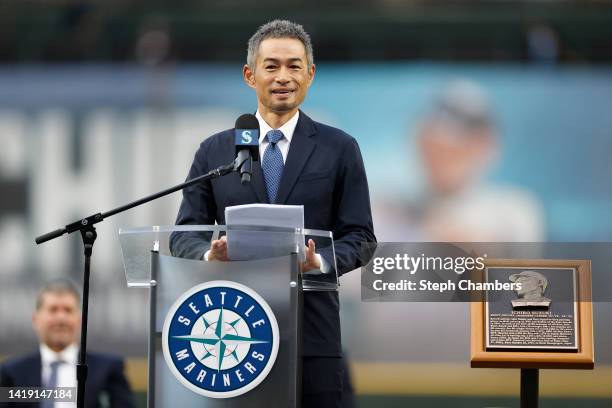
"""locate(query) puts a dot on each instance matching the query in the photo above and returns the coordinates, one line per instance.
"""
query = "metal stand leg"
(89, 236)
(151, 354)
(529, 387)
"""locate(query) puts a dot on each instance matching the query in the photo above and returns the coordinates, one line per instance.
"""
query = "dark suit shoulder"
(333, 131)
(106, 379)
(19, 362)
(333, 136)
(21, 370)
(104, 357)
(212, 149)
(216, 140)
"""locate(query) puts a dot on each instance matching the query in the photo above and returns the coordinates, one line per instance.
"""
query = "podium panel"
(225, 334)
(276, 281)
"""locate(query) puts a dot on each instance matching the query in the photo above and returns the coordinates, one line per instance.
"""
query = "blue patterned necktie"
(52, 382)
(273, 165)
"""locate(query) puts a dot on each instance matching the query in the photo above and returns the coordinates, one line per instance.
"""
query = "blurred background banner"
(478, 121)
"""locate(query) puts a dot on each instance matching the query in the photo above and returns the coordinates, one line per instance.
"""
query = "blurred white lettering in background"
(58, 165)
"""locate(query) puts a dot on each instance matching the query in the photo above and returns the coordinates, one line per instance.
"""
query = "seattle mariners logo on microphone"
(220, 339)
(246, 137)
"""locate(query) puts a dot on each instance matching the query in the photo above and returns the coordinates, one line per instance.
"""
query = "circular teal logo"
(220, 339)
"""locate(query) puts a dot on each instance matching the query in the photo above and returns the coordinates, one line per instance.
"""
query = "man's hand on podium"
(218, 250)
(312, 261)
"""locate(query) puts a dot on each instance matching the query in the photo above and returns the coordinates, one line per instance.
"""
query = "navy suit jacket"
(324, 172)
(105, 380)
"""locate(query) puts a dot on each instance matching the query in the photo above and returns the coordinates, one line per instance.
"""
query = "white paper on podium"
(244, 245)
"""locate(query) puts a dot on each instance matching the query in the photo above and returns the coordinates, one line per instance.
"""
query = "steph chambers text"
(429, 286)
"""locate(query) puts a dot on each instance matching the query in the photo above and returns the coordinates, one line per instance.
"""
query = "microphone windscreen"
(247, 121)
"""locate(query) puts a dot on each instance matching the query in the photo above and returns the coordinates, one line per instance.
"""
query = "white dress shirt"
(288, 129)
(66, 373)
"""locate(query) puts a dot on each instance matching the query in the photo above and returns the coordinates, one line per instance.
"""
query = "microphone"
(246, 140)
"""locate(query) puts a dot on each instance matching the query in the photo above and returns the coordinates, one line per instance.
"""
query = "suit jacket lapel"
(258, 183)
(300, 149)
(33, 371)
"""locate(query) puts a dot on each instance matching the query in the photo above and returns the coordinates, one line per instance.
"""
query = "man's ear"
(311, 74)
(34, 320)
(248, 75)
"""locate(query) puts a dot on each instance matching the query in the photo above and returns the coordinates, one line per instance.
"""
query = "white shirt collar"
(69, 354)
(288, 128)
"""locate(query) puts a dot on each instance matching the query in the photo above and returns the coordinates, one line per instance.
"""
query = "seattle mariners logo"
(220, 339)
(246, 137)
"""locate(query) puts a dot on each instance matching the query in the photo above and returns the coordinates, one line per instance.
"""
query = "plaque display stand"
(530, 384)
(530, 356)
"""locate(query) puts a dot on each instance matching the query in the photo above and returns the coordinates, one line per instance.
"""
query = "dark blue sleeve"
(6, 380)
(118, 388)
(352, 223)
(198, 207)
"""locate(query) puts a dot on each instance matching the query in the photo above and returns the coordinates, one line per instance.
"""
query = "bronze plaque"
(539, 314)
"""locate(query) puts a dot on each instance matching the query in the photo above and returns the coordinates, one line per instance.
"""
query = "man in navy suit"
(303, 162)
(57, 322)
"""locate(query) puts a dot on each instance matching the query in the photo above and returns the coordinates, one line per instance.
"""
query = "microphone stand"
(244, 165)
(88, 233)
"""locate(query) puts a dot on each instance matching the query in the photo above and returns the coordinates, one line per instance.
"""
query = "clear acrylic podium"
(212, 361)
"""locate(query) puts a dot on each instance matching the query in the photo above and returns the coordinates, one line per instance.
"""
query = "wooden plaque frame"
(582, 359)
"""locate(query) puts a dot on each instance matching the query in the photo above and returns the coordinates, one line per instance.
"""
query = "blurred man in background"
(458, 142)
(57, 322)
